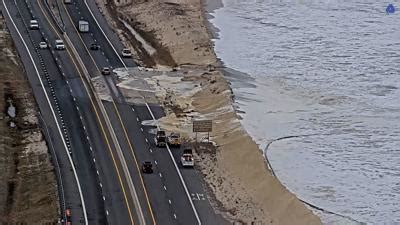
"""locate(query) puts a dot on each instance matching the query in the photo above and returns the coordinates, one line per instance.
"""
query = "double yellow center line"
(97, 116)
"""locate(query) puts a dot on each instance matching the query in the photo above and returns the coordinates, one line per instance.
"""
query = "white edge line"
(169, 151)
(113, 135)
(177, 169)
(52, 111)
(109, 42)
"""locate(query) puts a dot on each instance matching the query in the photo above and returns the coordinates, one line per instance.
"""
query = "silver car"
(43, 45)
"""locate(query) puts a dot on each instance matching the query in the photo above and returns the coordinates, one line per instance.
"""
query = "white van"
(33, 25)
(59, 45)
(126, 53)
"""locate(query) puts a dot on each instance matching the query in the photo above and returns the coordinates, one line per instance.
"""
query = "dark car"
(147, 167)
(94, 46)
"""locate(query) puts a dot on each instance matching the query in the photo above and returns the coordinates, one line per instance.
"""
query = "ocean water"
(323, 77)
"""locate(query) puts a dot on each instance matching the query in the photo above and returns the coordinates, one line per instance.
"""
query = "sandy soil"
(28, 189)
(235, 170)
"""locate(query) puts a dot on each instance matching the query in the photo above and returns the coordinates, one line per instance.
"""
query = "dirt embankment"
(28, 193)
(235, 171)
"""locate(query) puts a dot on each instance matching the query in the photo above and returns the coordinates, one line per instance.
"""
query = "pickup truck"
(187, 158)
(161, 139)
(59, 44)
(174, 139)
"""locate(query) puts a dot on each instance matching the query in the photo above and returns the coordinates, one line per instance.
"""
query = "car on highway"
(187, 158)
(59, 44)
(161, 139)
(147, 167)
(94, 46)
(126, 53)
(174, 139)
(33, 24)
(43, 45)
(106, 71)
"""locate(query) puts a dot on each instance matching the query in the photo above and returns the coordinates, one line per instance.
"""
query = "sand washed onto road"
(243, 188)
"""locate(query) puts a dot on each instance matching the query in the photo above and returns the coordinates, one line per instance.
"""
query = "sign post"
(202, 126)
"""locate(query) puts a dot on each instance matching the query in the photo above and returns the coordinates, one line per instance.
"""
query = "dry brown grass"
(28, 193)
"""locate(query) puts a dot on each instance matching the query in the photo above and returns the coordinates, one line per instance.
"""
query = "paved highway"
(51, 118)
(129, 118)
(120, 209)
(154, 201)
(97, 174)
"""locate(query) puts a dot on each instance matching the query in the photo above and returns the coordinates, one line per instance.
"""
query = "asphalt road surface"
(104, 199)
(131, 119)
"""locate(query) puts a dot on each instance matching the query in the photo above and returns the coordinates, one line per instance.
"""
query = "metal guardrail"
(60, 187)
(109, 127)
(60, 27)
(58, 174)
(149, 109)
(65, 136)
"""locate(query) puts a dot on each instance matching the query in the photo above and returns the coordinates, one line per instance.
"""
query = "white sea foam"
(330, 71)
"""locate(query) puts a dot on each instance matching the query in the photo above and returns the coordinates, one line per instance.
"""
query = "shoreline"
(209, 7)
(234, 170)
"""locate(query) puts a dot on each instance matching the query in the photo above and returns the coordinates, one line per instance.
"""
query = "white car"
(126, 53)
(59, 45)
(43, 45)
(34, 25)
